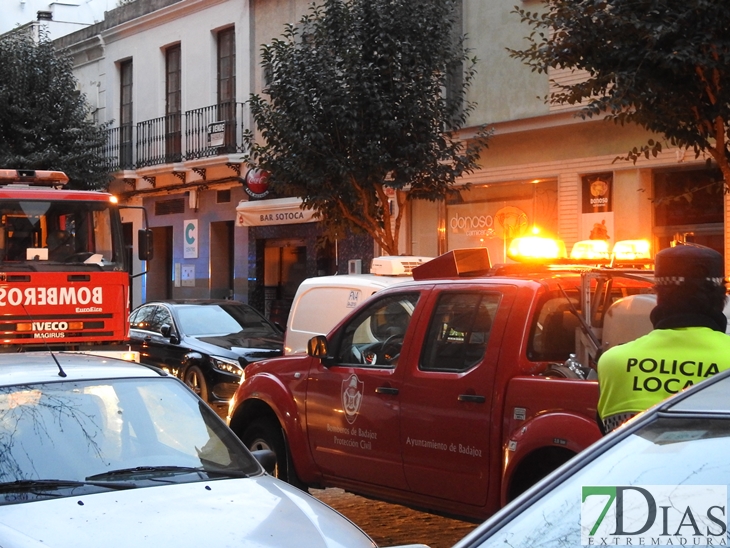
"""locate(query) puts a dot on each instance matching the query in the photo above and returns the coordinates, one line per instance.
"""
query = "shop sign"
(597, 190)
(280, 211)
(487, 224)
(256, 183)
(190, 239)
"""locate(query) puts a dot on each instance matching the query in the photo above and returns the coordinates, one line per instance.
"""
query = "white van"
(321, 302)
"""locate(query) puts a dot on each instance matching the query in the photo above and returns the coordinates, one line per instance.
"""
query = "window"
(58, 231)
(375, 336)
(689, 206)
(669, 451)
(554, 330)
(223, 196)
(491, 214)
(150, 318)
(227, 84)
(173, 104)
(126, 119)
(226, 65)
(459, 331)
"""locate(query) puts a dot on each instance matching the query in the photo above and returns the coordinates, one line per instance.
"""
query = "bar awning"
(278, 211)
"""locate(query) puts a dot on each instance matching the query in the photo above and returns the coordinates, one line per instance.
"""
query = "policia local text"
(691, 372)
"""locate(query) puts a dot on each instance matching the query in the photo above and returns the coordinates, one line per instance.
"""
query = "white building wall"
(192, 24)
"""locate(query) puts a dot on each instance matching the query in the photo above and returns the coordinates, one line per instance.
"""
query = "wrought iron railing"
(119, 149)
(209, 131)
(159, 141)
(214, 130)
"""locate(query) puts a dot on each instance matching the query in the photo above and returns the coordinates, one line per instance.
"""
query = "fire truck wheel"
(264, 433)
(196, 381)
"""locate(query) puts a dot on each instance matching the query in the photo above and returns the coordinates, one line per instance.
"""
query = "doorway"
(285, 267)
(221, 260)
(159, 268)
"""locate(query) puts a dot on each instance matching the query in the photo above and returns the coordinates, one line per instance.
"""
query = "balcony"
(200, 133)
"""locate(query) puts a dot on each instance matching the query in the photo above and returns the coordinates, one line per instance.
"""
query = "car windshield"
(208, 320)
(40, 233)
(135, 432)
(669, 454)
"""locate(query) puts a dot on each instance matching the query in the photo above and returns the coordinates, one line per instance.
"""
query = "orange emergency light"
(32, 177)
(536, 248)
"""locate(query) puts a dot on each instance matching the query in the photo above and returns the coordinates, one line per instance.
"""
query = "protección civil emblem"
(352, 389)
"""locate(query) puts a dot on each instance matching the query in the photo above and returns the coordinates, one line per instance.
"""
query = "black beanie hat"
(688, 263)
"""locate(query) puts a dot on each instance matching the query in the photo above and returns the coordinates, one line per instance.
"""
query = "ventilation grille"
(169, 207)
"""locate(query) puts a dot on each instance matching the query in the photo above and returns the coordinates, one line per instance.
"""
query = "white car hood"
(259, 512)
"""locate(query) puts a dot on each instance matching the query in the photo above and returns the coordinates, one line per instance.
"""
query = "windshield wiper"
(31, 486)
(146, 471)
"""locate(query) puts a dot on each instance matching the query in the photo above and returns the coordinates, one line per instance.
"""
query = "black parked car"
(206, 343)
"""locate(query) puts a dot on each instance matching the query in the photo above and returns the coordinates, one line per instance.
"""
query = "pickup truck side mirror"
(317, 347)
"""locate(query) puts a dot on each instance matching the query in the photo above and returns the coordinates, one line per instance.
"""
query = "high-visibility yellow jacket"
(634, 376)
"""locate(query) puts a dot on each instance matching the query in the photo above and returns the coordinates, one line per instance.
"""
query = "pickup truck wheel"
(196, 381)
(266, 434)
(535, 467)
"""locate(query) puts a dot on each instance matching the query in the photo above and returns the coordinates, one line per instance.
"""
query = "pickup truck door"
(448, 432)
(353, 401)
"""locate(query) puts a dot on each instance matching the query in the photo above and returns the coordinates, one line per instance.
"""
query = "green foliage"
(661, 64)
(44, 121)
(357, 111)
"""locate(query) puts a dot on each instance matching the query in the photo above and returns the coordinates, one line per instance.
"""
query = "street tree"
(661, 64)
(366, 99)
(44, 122)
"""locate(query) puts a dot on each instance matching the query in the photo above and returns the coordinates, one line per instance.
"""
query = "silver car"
(95, 451)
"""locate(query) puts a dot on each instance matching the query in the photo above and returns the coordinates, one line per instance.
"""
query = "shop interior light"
(631, 250)
(590, 250)
(536, 248)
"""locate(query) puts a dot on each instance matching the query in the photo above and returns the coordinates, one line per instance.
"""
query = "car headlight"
(226, 365)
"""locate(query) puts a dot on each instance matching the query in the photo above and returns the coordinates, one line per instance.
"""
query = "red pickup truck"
(449, 394)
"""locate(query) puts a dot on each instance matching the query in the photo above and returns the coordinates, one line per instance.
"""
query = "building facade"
(171, 78)
(549, 169)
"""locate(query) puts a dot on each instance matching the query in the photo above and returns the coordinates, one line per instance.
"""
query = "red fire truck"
(64, 267)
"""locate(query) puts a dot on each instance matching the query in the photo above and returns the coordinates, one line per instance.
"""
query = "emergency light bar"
(543, 250)
(590, 249)
(631, 250)
(536, 248)
(32, 177)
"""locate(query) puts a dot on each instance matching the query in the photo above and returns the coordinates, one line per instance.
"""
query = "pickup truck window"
(374, 336)
(459, 331)
(554, 331)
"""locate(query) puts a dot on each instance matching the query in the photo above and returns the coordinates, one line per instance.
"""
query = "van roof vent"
(396, 265)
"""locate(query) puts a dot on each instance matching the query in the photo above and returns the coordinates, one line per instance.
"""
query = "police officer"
(687, 345)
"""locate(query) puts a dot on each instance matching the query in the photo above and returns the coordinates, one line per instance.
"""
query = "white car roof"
(34, 367)
(353, 280)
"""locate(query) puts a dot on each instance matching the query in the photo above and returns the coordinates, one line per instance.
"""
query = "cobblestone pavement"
(392, 524)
